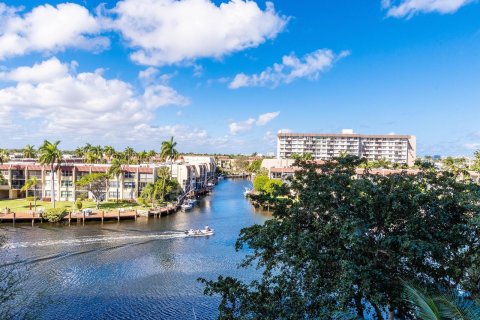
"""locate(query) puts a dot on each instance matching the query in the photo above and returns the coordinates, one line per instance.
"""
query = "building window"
(65, 194)
(66, 183)
(113, 184)
(129, 175)
(112, 194)
(129, 185)
(67, 173)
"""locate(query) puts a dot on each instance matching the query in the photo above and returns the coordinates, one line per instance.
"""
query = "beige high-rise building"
(391, 147)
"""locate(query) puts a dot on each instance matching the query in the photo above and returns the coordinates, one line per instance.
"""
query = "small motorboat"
(207, 231)
(186, 206)
(191, 201)
(247, 191)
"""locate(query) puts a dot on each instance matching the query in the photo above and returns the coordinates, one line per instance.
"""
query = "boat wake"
(97, 239)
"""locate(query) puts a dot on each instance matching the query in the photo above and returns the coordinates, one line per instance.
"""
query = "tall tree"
(142, 156)
(29, 152)
(151, 155)
(116, 170)
(109, 152)
(96, 184)
(52, 156)
(91, 157)
(168, 152)
(31, 184)
(79, 152)
(129, 154)
(3, 156)
(342, 242)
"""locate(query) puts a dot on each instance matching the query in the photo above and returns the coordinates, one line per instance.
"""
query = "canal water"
(145, 269)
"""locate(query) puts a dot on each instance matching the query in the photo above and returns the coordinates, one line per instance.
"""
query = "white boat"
(191, 201)
(207, 231)
(186, 206)
(247, 191)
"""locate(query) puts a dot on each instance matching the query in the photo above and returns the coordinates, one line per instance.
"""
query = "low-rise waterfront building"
(193, 174)
(393, 148)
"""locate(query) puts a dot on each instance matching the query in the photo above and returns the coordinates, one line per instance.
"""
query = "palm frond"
(425, 307)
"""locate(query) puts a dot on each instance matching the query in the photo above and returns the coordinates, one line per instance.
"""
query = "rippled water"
(144, 269)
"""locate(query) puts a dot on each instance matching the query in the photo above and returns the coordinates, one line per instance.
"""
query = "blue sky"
(226, 76)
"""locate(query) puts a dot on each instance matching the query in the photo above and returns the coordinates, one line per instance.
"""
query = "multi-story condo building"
(193, 175)
(391, 147)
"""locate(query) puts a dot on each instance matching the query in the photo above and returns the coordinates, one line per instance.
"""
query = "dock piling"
(103, 215)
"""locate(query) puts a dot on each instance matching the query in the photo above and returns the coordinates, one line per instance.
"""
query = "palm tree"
(79, 152)
(91, 157)
(3, 156)
(98, 151)
(116, 170)
(169, 152)
(129, 154)
(442, 307)
(51, 155)
(88, 147)
(142, 156)
(31, 184)
(29, 151)
(151, 154)
(109, 152)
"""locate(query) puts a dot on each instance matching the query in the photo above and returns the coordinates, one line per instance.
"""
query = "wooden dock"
(98, 215)
(161, 212)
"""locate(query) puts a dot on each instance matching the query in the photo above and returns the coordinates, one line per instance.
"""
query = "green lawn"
(23, 205)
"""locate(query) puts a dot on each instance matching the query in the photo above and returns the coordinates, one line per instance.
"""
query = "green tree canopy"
(271, 186)
(259, 182)
(343, 243)
(96, 184)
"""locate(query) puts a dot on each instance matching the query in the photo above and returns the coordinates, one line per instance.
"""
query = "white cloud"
(263, 119)
(236, 127)
(309, 66)
(175, 31)
(408, 8)
(161, 95)
(39, 72)
(48, 28)
(80, 104)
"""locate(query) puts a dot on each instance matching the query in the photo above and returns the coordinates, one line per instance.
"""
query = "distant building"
(393, 148)
(192, 173)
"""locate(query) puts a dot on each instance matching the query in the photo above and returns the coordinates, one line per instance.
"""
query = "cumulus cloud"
(39, 72)
(408, 8)
(263, 119)
(290, 69)
(85, 103)
(175, 31)
(48, 28)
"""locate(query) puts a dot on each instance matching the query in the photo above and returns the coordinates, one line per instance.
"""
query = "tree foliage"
(96, 184)
(450, 305)
(259, 182)
(342, 243)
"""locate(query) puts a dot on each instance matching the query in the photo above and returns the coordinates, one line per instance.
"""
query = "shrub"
(54, 214)
(78, 204)
(30, 199)
(141, 201)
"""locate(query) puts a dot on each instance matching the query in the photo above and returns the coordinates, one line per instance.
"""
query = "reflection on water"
(135, 269)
